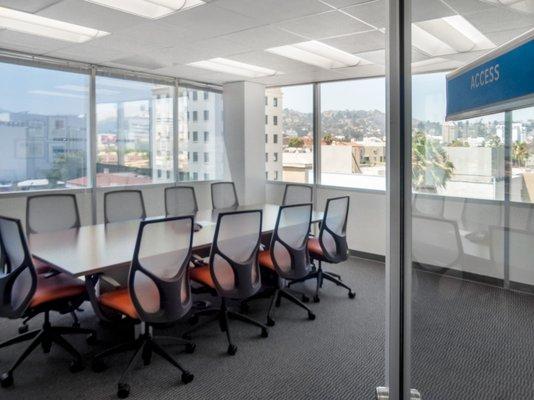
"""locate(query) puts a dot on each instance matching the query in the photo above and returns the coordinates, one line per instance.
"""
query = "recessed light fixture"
(318, 54)
(152, 9)
(448, 35)
(52, 28)
(234, 67)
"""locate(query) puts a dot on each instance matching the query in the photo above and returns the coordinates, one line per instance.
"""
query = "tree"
(494, 142)
(296, 142)
(458, 143)
(431, 167)
(68, 166)
(328, 139)
(519, 153)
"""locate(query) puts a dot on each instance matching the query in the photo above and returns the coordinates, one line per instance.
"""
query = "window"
(195, 95)
(293, 125)
(212, 150)
(134, 131)
(266, 138)
(195, 116)
(266, 120)
(206, 177)
(206, 95)
(353, 136)
(206, 115)
(266, 157)
(266, 101)
(275, 157)
(43, 128)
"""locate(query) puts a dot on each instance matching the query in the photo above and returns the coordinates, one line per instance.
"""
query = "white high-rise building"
(273, 134)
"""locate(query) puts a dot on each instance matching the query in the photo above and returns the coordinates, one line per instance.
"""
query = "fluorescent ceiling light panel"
(448, 35)
(152, 9)
(51, 28)
(318, 54)
(234, 67)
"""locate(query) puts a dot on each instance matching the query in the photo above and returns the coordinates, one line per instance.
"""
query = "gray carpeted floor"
(470, 342)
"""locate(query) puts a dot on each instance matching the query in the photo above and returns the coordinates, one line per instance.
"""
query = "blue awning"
(501, 80)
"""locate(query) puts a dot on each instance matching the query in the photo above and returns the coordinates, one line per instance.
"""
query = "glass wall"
(353, 134)
(43, 128)
(202, 151)
(134, 132)
(289, 134)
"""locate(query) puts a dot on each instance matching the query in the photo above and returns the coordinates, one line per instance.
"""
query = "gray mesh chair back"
(159, 280)
(18, 279)
(234, 254)
(124, 205)
(180, 200)
(223, 195)
(332, 236)
(289, 243)
(51, 212)
(297, 194)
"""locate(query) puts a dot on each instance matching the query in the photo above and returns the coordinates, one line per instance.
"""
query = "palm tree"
(519, 153)
(431, 167)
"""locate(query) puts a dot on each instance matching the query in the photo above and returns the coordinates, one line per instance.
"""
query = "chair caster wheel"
(76, 366)
(23, 329)
(352, 295)
(193, 320)
(186, 336)
(91, 339)
(264, 333)
(98, 366)
(190, 348)
(6, 380)
(46, 347)
(316, 299)
(311, 316)
(232, 349)
(305, 299)
(187, 377)
(123, 390)
(270, 321)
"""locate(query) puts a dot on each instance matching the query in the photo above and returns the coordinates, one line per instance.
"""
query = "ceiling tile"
(344, 3)
(423, 10)
(469, 6)
(359, 42)
(92, 15)
(203, 50)
(39, 44)
(88, 53)
(138, 61)
(262, 38)
(500, 19)
(372, 12)
(270, 11)
(501, 37)
(325, 25)
(272, 61)
(30, 6)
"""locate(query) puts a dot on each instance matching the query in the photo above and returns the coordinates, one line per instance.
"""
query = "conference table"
(96, 249)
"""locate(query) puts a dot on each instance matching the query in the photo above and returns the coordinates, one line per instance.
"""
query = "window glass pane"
(457, 158)
(289, 132)
(213, 163)
(522, 184)
(353, 134)
(134, 132)
(43, 128)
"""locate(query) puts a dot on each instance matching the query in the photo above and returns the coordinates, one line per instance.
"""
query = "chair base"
(223, 315)
(143, 348)
(280, 293)
(320, 275)
(45, 337)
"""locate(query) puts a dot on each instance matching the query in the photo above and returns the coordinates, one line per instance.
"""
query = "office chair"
(331, 245)
(123, 205)
(288, 255)
(180, 200)
(297, 194)
(50, 213)
(232, 271)
(25, 293)
(223, 195)
(158, 293)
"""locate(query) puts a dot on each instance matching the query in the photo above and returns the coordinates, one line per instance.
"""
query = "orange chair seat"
(41, 267)
(202, 275)
(121, 301)
(265, 260)
(314, 247)
(57, 287)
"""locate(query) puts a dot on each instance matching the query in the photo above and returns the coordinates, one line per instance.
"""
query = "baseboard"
(367, 256)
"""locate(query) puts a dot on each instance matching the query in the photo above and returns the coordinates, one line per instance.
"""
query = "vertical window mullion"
(317, 134)
(175, 130)
(92, 154)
